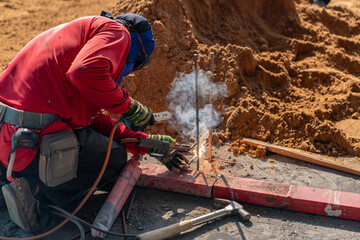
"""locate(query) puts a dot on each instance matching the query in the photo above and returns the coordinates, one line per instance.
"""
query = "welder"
(54, 132)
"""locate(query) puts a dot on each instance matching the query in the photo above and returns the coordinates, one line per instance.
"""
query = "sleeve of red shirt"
(98, 62)
(104, 123)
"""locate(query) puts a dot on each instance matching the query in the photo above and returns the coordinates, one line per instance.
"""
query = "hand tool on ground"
(174, 229)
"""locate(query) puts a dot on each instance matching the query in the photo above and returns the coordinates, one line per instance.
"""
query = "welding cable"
(78, 236)
(74, 221)
(71, 216)
(92, 189)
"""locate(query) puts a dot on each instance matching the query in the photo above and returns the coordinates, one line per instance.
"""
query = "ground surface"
(292, 75)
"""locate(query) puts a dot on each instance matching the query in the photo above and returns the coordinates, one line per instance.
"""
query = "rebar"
(212, 55)
(197, 112)
(124, 222)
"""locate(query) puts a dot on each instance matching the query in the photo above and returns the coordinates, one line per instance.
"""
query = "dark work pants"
(92, 152)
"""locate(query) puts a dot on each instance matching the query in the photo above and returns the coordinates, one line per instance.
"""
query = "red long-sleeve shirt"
(70, 70)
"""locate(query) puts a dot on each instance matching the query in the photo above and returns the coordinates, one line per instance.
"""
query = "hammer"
(169, 231)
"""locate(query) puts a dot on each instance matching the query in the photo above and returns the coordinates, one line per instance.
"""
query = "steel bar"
(212, 55)
(192, 159)
(131, 203)
(220, 160)
(188, 182)
(124, 222)
(271, 194)
(197, 112)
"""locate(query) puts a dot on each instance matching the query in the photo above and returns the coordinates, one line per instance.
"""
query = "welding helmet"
(142, 41)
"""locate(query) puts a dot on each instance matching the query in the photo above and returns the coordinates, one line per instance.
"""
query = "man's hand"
(175, 162)
(139, 115)
(165, 138)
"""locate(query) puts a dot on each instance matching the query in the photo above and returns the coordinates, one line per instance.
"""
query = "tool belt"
(25, 119)
(58, 151)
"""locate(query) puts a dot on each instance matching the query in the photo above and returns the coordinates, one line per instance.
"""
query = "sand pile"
(291, 69)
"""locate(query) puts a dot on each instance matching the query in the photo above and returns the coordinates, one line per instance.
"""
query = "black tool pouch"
(58, 158)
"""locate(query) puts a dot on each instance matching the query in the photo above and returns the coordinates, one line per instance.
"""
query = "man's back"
(44, 75)
(70, 70)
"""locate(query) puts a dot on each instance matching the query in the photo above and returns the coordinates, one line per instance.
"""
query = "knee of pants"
(93, 148)
(118, 157)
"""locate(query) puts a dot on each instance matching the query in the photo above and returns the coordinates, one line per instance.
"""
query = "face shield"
(138, 57)
(142, 41)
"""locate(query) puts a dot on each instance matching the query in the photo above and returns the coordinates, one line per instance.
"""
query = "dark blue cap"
(136, 23)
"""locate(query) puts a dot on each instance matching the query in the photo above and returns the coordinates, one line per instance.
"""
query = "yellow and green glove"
(173, 160)
(138, 117)
(165, 138)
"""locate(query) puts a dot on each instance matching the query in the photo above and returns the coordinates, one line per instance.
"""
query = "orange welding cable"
(92, 189)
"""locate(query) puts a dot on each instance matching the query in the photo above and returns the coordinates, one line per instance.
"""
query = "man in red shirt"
(61, 80)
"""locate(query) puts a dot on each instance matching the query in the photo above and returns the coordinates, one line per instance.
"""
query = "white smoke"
(182, 102)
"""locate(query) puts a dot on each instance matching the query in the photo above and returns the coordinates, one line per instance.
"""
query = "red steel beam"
(190, 182)
(286, 196)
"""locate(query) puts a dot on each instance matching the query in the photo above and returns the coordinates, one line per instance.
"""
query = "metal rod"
(131, 203)
(124, 222)
(192, 159)
(212, 55)
(197, 112)
(182, 135)
(223, 161)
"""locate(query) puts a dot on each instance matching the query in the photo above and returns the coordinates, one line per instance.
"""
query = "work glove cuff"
(139, 115)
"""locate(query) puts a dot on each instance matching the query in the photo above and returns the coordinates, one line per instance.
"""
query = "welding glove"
(174, 161)
(165, 138)
(138, 116)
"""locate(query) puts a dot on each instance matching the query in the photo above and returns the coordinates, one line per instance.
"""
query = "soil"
(291, 69)
(291, 75)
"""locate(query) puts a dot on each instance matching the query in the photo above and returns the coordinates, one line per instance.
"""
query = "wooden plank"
(351, 127)
(307, 157)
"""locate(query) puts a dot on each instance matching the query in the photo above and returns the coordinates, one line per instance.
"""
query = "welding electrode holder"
(163, 146)
(157, 144)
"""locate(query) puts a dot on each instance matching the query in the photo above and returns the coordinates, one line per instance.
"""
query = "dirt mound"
(291, 68)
